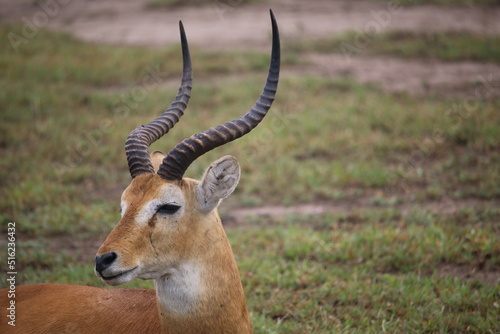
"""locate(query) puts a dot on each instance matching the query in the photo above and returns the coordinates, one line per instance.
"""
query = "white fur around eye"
(123, 206)
(168, 195)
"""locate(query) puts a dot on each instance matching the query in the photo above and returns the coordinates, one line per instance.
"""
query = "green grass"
(66, 115)
(361, 273)
(367, 278)
(68, 106)
(443, 46)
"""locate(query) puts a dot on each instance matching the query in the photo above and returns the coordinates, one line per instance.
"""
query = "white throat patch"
(180, 290)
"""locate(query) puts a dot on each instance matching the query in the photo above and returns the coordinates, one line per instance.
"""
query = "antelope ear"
(157, 159)
(219, 181)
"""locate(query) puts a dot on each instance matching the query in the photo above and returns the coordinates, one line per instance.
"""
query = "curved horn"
(139, 140)
(178, 160)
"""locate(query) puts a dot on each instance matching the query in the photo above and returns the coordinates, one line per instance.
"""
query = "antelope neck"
(204, 295)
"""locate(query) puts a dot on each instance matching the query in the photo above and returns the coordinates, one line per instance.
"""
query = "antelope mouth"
(119, 278)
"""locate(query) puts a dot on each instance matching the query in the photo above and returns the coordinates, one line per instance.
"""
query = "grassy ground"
(441, 46)
(67, 108)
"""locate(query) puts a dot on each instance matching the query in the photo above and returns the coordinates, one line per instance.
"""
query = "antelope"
(169, 232)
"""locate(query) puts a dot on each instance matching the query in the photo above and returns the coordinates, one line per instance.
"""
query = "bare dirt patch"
(217, 25)
(220, 26)
(483, 272)
(233, 217)
(416, 77)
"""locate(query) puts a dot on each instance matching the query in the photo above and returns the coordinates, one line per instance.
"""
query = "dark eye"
(168, 209)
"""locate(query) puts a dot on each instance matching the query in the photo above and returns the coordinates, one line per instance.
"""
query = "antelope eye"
(168, 209)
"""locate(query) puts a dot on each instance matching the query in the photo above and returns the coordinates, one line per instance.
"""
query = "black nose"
(104, 261)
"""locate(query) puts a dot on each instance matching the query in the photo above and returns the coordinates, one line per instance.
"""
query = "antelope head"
(167, 220)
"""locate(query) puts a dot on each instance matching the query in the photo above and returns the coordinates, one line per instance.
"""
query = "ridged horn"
(139, 140)
(178, 159)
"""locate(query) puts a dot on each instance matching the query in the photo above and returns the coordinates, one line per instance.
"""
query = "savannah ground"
(369, 198)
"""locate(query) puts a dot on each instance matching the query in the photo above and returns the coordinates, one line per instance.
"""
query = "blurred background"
(369, 198)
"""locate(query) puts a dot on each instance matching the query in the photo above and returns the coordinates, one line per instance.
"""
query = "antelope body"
(169, 232)
(73, 309)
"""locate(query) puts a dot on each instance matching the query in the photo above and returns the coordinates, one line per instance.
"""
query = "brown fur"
(165, 242)
(198, 238)
(64, 308)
